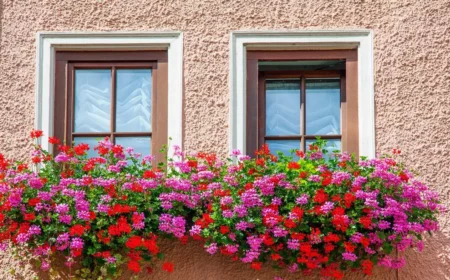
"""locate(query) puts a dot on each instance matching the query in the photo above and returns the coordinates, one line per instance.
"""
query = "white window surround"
(302, 39)
(49, 42)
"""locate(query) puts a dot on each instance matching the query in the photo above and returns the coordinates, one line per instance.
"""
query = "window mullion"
(113, 103)
(302, 112)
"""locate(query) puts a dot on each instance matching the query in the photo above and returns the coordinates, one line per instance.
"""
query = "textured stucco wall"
(412, 89)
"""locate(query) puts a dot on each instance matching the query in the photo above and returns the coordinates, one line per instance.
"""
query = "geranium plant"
(306, 212)
(99, 213)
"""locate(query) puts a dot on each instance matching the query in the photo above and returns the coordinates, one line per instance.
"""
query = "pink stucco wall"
(412, 89)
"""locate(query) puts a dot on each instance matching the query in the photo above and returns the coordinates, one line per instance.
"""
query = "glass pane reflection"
(92, 111)
(284, 146)
(140, 145)
(134, 102)
(323, 107)
(282, 107)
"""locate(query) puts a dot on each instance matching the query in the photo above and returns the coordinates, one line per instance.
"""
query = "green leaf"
(387, 247)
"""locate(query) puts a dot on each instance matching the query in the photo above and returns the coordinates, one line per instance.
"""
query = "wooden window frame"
(66, 64)
(255, 98)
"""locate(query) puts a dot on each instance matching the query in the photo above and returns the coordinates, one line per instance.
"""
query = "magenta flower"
(349, 256)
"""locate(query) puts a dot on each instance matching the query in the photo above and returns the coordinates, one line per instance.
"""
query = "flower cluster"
(99, 213)
(313, 212)
(308, 212)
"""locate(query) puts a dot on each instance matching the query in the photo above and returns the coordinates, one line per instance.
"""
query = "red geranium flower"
(365, 221)
(275, 257)
(256, 265)
(293, 165)
(367, 267)
(34, 201)
(81, 149)
(134, 242)
(320, 196)
(54, 140)
(134, 266)
(77, 230)
(224, 229)
(349, 198)
(168, 266)
(300, 154)
(36, 133)
(149, 174)
(29, 216)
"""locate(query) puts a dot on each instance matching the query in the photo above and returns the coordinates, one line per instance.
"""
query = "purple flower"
(293, 244)
(15, 198)
(34, 230)
(83, 215)
(390, 262)
(384, 225)
(316, 155)
(3, 246)
(62, 157)
(339, 177)
(293, 268)
(76, 243)
(110, 260)
(195, 230)
(226, 200)
(242, 158)
(349, 256)
(279, 232)
(227, 213)
(327, 207)
(45, 266)
(102, 208)
(276, 201)
(314, 178)
(206, 175)
(44, 195)
(23, 237)
(232, 248)
(250, 198)
(240, 211)
(254, 242)
(174, 225)
(235, 152)
(302, 200)
(65, 219)
(242, 225)
(212, 248)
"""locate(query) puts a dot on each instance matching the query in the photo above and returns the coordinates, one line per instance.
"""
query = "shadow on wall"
(193, 263)
(434, 262)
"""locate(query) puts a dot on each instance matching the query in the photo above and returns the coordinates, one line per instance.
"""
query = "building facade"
(387, 60)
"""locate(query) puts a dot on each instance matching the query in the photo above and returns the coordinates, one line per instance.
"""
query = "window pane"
(332, 145)
(91, 141)
(134, 102)
(92, 100)
(284, 146)
(323, 107)
(140, 145)
(282, 107)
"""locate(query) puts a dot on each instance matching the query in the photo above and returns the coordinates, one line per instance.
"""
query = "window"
(119, 94)
(295, 96)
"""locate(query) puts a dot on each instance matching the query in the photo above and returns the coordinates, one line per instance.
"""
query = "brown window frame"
(255, 99)
(68, 61)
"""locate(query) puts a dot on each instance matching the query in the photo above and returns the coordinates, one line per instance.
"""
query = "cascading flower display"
(99, 213)
(310, 212)
(314, 211)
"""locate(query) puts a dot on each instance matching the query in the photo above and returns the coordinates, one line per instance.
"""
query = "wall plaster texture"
(412, 91)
